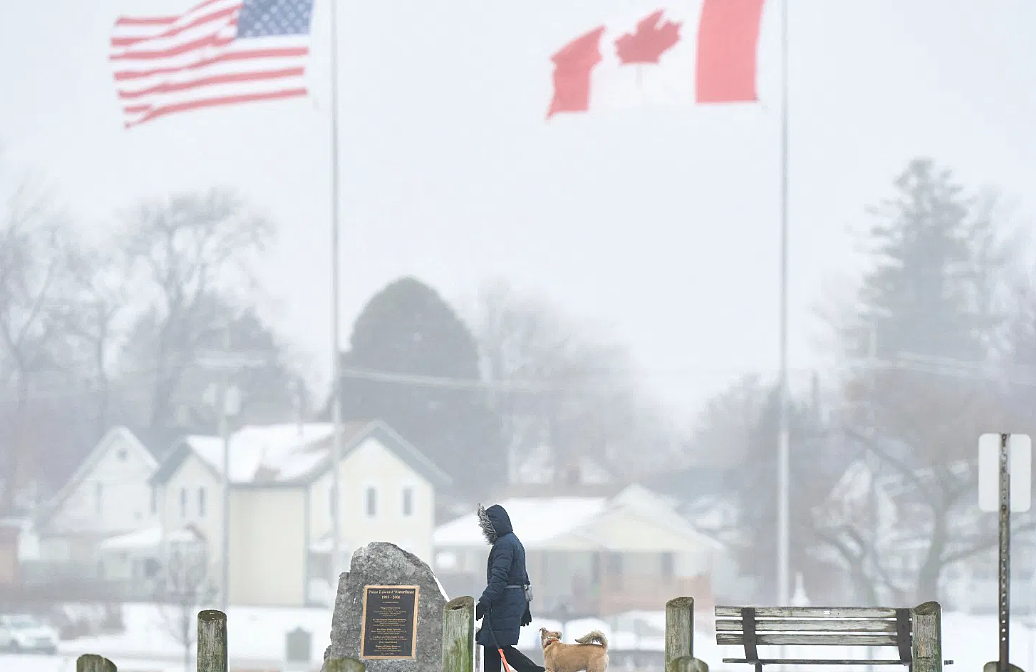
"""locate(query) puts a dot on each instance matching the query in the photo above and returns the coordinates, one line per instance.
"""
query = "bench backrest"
(814, 626)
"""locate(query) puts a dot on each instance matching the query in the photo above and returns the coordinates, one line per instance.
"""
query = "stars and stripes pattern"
(220, 52)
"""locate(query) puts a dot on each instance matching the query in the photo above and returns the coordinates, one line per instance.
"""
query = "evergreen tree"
(927, 293)
(930, 296)
(408, 330)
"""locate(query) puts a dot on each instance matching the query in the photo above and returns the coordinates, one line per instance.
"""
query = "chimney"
(298, 405)
(573, 473)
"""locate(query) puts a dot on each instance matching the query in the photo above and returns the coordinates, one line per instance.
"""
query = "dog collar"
(549, 642)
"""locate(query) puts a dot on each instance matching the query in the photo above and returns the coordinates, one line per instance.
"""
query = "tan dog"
(590, 654)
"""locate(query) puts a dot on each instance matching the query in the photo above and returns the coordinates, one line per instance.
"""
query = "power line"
(590, 381)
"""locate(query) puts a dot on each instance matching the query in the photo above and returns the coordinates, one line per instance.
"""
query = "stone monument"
(390, 604)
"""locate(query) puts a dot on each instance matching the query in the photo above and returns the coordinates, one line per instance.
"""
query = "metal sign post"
(1004, 485)
(1005, 554)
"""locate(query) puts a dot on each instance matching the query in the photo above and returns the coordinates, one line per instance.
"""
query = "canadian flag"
(697, 52)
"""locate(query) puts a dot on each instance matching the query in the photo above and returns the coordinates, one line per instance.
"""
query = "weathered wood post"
(458, 635)
(91, 662)
(345, 665)
(679, 637)
(212, 641)
(926, 621)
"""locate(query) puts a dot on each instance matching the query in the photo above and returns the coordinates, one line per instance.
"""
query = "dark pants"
(515, 659)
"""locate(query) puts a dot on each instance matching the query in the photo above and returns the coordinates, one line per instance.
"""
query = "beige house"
(281, 504)
(590, 555)
(109, 496)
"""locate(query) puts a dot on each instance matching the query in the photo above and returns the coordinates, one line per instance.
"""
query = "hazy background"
(658, 228)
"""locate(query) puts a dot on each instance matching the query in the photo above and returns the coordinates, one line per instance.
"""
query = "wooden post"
(345, 665)
(91, 662)
(686, 664)
(926, 620)
(212, 641)
(679, 629)
(458, 635)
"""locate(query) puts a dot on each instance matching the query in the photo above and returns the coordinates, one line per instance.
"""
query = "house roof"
(291, 454)
(89, 464)
(563, 523)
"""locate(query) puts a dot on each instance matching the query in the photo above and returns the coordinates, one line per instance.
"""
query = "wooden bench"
(914, 633)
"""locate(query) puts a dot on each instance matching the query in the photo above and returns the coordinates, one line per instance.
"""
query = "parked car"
(20, 632)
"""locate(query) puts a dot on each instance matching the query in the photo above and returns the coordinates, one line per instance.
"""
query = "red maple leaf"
(649, 41)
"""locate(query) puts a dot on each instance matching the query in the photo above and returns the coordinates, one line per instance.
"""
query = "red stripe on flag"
(173, 32)
(213, 80)
(243, 55)
(200, 43)
(728, 38)
(155, 21)
(157, 112)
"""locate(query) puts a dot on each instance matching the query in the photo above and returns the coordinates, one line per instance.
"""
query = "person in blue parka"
(503, 607)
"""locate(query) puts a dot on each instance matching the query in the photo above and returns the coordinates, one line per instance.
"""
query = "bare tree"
(182, 591)
(724, 429)
(551, 384)
(96, 316)
(929, 422)
(735, 440)
(33, 271)
(186, 251)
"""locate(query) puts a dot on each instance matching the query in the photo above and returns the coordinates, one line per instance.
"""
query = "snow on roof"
(147, 538)
(561, 523)
(539, 518)
(269, 453)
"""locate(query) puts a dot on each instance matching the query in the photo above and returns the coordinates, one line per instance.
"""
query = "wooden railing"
(458, 645)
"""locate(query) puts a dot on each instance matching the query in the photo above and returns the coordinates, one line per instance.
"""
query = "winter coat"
(504, 597)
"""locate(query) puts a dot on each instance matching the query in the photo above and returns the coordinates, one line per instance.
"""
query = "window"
(408, 501)
(183, 502)
(121, 454)
(98, 495)
(154, 500)
(372, 502)
(613, 569)
(201, 502)
(667, 565)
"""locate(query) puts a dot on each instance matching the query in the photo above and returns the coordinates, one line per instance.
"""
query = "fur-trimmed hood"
(494, 522)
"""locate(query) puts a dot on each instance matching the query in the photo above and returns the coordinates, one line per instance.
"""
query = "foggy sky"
(657, 227)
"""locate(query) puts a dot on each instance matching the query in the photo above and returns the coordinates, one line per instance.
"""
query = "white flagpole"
(783, 431)
(336, 409)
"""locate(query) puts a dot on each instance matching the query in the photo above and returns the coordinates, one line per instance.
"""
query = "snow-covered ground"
(67, 663)
(254, 635)
(257, 641)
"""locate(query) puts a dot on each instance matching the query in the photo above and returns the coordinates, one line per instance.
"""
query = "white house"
(281, 504)
(108, 496)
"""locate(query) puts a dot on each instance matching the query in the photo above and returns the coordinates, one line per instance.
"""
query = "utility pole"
(784, 429)
(298, 404)
(336, 306)
(226, 397)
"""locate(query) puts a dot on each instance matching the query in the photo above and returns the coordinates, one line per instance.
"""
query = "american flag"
(221, 52)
